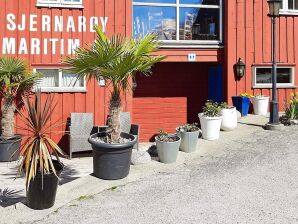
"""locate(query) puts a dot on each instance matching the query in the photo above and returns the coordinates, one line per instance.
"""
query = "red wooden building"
(203, 39)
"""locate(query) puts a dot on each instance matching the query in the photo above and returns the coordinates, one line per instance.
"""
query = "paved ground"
(247, 176)
(252, 179)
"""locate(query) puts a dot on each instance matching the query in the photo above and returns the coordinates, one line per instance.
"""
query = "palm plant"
(117, 60)
(37, 150)
(15, 82)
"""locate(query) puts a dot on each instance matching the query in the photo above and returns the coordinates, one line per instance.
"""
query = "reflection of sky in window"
(201, 2)
(156, 1)
(149, 19)
(195, 23)
(184, 11)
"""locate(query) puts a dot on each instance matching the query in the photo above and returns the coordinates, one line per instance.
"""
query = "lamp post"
(274, 7)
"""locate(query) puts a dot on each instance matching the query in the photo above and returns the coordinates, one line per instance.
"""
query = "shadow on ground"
(9, 197)
(69, 174)
(251, 124)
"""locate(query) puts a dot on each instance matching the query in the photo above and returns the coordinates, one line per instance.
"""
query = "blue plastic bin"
(242, 104)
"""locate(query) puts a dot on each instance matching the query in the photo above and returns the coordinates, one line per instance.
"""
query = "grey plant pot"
(189, 141)
(9, 149)
(168, 151)
(111, 161)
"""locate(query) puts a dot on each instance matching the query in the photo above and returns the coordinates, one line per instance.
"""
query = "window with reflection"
(179, 20)
(290, 4)
(262, 77)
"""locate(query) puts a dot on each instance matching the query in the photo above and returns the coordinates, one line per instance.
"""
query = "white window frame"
(188, 43)
(59, 4)
(60, 88)
(269, 85)
(285, 9)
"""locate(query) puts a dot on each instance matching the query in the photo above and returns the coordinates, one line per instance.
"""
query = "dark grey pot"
(168, 151)
(10, 149)
(41, 193)
(189, 141)
(111, 161)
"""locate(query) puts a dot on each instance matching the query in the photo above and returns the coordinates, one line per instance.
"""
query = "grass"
(113, 188)
(85, 197)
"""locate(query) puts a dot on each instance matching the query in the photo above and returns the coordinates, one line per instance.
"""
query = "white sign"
(192, 57)
(46, 23)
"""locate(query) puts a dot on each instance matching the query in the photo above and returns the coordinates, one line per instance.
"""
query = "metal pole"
(274, 117)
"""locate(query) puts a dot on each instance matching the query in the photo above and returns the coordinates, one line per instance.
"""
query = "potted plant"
(167, 146)
(15, 82)
(229, 117)
(260, 103)
(210, 120)
(37, 151)
(242, 103)
(291, 113)
(117, 60)
(189, 134)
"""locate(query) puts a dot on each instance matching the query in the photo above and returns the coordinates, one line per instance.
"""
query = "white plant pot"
(210, 127)
(260, 105)
(229, 119)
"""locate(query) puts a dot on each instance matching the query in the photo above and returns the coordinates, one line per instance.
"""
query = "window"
(179, 21)
(289, 7)
(262, 77)
(60, 3)
(59, 80)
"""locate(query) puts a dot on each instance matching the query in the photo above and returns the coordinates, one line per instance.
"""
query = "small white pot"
(229, 119)
(260, 105)
(210, 127)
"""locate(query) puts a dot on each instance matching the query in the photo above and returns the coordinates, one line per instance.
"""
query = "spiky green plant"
(292, 107)
(15, 82)
(188, 127)
(38, 148)
(117, 60)
(163, 136)
(211, 109)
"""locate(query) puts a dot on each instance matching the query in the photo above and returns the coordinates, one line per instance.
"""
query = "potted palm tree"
(117, 60)
(167, 146)
(15, 82)
(210, 120)
(37, 153)
(189, 134)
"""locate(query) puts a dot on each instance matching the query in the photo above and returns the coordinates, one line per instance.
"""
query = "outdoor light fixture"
(134, 85)
(274, 7)
(239, 68)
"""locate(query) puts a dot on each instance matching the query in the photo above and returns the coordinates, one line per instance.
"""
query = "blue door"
(215, 84)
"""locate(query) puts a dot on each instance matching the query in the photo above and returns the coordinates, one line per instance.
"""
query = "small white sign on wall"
(192, 57)
(101, 82)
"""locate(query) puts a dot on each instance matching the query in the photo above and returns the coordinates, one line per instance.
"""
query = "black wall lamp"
(239, 69)
(134, 85)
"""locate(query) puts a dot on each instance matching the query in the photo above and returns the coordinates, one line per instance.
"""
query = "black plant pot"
(111, 161)
(10, 149)
(41, 194)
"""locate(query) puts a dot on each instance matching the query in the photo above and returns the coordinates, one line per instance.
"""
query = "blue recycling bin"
(242, 104)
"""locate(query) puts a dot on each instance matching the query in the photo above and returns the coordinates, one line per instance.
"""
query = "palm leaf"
(117, 60)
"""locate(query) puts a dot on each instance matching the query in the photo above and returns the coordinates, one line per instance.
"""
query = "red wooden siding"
(248, 35)
(203, 55)
(173, 95)
(95, 100)
(176, 91)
